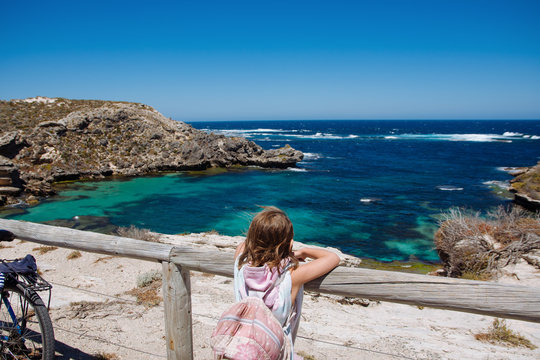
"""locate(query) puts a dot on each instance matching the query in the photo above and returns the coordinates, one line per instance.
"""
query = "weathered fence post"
(177, 303)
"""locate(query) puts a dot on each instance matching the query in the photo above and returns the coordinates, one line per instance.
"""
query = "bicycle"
(26, 330)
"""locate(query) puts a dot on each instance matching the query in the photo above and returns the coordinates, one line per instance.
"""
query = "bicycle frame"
(7, 304)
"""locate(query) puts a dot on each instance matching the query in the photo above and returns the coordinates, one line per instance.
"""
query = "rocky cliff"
(526, 187)
(46, 140)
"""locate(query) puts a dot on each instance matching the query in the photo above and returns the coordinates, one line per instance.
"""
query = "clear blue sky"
(236, 60)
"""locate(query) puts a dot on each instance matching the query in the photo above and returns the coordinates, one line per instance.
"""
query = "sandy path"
(109, 321)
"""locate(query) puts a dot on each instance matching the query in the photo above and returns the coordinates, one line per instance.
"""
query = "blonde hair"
(268, 240)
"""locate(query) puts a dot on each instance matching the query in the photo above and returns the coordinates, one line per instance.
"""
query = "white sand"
(114, 324)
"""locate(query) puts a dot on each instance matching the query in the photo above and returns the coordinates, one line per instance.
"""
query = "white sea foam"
(510, 170)
(247, 132)
(449, 188)
(296, 169)
(497, 183)
(322, 136)
(278, 134)
(369, 200)
(252, 130)
(312, 156)
(506, 137)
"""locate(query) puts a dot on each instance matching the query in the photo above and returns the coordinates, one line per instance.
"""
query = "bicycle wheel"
(26, 332)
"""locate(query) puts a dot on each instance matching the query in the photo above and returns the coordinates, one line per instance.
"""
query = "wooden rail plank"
(87, 241)
(501, 300)
(479, 297)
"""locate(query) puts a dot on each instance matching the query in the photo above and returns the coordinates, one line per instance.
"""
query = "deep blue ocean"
(370, 188)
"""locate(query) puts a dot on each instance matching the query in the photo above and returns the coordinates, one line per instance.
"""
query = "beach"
(93, 315)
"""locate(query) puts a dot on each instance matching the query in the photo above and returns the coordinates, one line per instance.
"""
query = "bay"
(370, 188)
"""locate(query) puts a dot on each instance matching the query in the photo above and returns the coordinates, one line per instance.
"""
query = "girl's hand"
(299, 255)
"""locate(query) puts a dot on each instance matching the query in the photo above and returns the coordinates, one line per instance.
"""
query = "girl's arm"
(324, 261)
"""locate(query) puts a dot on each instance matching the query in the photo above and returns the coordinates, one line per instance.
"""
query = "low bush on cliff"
(134, 232)
(528, 182)
(476, 247)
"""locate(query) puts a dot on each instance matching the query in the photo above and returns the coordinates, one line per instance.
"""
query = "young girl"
(266, 267)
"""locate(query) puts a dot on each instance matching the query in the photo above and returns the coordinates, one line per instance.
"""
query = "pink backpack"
(249, 331)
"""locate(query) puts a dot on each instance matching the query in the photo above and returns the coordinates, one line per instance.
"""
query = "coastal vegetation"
(499, 333)
(106, 356)
(146, 292)
(44, 249)
(526, 187)
(74, 255)
(134, 232)
(26, 114)
(476, 246)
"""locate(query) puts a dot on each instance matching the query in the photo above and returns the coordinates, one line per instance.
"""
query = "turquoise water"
(370, 188)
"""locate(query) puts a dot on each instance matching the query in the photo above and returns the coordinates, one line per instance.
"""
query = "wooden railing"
(500, 300)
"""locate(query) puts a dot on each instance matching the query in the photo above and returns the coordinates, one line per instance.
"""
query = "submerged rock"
(63, 139)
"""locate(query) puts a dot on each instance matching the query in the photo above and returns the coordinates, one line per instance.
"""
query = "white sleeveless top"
(275, 290)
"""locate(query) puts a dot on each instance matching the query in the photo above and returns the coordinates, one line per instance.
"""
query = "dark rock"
(11, 143)
(86, 223)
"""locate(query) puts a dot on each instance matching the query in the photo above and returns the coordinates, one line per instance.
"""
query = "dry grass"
(476, 247)
(148, 295)
(478, 275)
(74, 255)
(105, 356)
(103, 258)
(499, 333)
(306, 356)
(134, 232)
(44, 249)
(17, 115)
(147, 289)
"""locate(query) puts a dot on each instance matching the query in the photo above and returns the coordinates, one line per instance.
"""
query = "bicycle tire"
(36, 339)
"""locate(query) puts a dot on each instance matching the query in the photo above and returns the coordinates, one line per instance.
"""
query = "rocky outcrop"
(111, 138)
(10, 182)
(526, 188)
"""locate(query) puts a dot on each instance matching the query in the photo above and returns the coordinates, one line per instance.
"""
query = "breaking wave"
(449, 188)
(312, 156)
(505, 137)
(265, 134)
(497, 183)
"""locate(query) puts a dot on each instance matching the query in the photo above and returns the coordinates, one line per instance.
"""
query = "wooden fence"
(500, 300)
